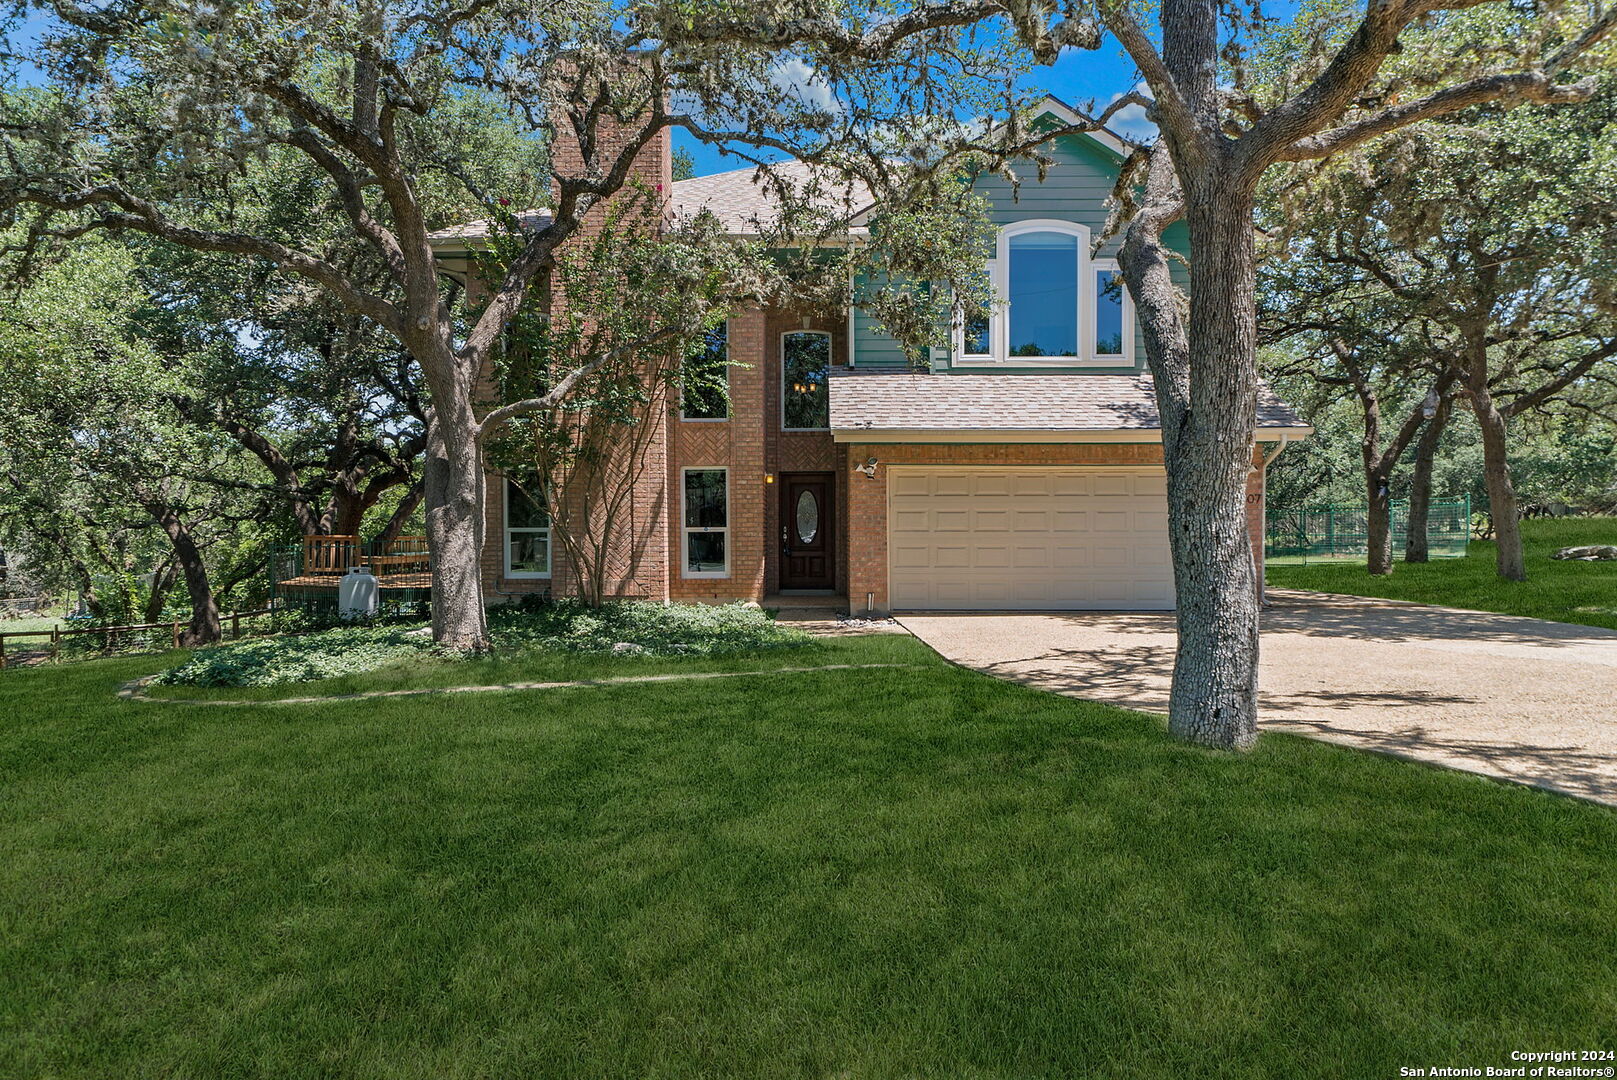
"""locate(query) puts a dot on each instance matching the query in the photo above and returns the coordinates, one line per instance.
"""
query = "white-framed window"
(705, 518)
(1112, 337)
(1056, 306)
(805, 373)
(704, 392)
(527, 528)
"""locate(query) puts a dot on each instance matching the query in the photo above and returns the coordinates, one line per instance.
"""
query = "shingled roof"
(745, 201)
(1039, 408)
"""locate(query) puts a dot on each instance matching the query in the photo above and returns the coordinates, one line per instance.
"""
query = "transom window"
(1056, 304)
(705, 377)
(527, 528)
(706, 523)
(805, 369)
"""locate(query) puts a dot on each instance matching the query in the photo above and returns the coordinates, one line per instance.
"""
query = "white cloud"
(794, 76)
(1130, 121)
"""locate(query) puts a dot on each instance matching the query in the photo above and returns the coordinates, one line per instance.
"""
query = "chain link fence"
(1316, 534)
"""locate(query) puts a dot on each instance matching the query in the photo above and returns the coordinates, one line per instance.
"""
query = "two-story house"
(1022, 470)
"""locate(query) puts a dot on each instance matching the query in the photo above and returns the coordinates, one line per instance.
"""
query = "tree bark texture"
(454, 493)
(1208, 453)
(1501, 493)
(204, 627)
(1416, 542)
(1377, 482)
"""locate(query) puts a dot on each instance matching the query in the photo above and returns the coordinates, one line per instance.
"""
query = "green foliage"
(276, 661)
(906, 872)
(1562, 591)
(646, 629)
(684, 164)
(622, 628)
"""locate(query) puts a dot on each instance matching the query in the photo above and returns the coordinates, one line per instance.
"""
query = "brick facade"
(639, 562)
(752, 446)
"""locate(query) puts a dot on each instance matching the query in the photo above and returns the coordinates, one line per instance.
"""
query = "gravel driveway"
(1518, 699)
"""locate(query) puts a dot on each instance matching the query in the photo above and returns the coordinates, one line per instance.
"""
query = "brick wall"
(640, 563)
(752, 446)
(867, 498)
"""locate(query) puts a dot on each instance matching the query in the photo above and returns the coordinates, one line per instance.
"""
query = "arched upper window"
(1056, 304)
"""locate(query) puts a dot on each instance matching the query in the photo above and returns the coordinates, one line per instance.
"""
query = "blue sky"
(1079, 77)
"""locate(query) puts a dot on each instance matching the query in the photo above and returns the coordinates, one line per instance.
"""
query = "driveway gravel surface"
(1517, 699)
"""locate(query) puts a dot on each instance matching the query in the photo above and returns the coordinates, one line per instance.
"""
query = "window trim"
(505, 535)
(685, 530)
(999, 321)
(1126, 357)
(830, 355)
(729, 404)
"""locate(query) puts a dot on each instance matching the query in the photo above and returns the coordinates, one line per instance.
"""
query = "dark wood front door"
(807, 531)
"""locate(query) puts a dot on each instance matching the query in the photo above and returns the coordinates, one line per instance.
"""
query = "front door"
(807, 535)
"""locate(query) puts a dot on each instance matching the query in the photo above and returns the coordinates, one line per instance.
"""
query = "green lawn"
(917, 872)
(1575, 592)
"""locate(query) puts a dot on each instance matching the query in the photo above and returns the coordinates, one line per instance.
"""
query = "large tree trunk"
(1416, 543)
(1377, 482)
(204, 626)
(1378, 523)
(1501, 493)
(454, 491)
(402, 513)
(162, 580)
(1208, 452)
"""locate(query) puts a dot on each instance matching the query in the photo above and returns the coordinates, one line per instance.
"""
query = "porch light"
(769, 478)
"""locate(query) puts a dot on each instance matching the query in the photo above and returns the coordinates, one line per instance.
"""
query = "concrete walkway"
(1518, 699)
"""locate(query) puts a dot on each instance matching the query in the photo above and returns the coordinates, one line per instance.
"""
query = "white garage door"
(1032, 538)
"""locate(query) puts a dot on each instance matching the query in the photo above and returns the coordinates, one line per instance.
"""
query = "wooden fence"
(110, 633)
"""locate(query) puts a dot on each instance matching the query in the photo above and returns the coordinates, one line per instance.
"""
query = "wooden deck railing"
(110, 633)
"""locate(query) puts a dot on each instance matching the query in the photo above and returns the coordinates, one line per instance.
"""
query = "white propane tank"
(357, 593)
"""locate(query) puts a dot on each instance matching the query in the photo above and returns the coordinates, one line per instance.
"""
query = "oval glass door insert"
(808, 517)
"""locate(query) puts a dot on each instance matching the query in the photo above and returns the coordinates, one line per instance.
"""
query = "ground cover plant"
(908, 871)
(1573, 592)
(618, 629)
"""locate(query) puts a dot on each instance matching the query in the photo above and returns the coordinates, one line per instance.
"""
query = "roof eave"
(1030, 435)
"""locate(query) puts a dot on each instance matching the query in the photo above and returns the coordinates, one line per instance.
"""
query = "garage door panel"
(1029, 538)
(1113, 484)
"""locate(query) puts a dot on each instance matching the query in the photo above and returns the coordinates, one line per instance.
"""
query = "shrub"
(301, 658)
(635, 628)
(647, 628)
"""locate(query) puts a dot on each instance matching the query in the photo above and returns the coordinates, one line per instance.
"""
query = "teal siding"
(1074, 189)
(872, 348)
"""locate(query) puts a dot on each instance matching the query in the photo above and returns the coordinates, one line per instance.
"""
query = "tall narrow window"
(979, 337)
(705, 377)
(1043, 293)
(707, 523)
(805, 362)
(527, 528)
(1109, 315)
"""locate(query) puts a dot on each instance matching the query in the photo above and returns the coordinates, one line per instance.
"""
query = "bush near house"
(632, 628)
